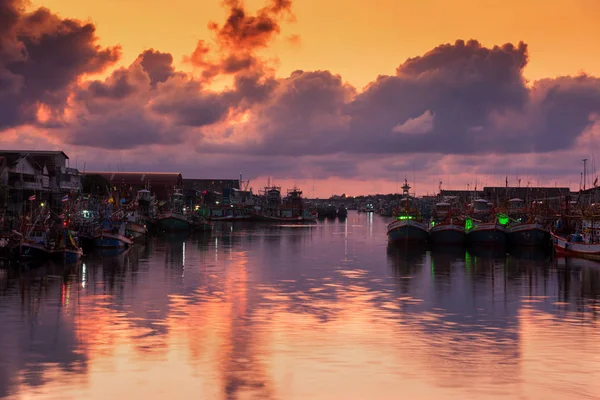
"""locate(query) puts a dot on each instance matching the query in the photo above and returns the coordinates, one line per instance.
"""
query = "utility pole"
(584, 172)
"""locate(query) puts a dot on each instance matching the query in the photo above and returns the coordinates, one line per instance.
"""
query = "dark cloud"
(123, 128)
(158, 66)
(459, 98)
(41, 57)
(188, 104)
(246, 32)
(239, 38)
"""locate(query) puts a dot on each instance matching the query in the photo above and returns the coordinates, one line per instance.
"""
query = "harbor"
(52, 211)
(156, 266)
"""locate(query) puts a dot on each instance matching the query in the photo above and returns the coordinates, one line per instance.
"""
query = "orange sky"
(360, 40)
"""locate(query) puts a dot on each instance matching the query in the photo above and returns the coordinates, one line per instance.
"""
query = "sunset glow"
(338, 96)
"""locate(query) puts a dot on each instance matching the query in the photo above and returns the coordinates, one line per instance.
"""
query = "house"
(50, 168)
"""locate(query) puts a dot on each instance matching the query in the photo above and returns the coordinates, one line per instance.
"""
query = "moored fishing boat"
(342, 211)
(175, 219)
(34, 246)
(136, 230)
(114, 237)
(528, 234)
(67, 249)
(575, 245)
(327, 211)
(526, 227)
(446, 227)
(408, 226)
(201, 224)
(290, 209)
(484, 227)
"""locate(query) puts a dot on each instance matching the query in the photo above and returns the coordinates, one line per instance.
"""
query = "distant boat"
(408, 225)
(342, 211)
(369, 208)
(175, 219)
(289, 209)
(327, 211)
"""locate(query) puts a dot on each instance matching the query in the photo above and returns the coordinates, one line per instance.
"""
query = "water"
(321, 312)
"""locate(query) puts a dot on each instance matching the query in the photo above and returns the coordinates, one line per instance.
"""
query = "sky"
(336, 97)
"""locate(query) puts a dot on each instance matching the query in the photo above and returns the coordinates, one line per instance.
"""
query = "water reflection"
(283, 312)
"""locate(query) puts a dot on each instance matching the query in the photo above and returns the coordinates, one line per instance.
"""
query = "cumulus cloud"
(421, 124)
(41, 58)
(460, 98)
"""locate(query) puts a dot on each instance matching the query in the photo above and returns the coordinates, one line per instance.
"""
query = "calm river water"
(289, 312)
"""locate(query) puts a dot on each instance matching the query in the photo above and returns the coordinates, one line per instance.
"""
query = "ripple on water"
(262, 312)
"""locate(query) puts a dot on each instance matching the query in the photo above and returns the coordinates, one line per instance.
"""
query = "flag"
(65, 198)
(31, 198)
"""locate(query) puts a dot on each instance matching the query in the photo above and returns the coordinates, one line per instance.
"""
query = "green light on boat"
(469, 224)
(403, 217)
(432, 224)
(503, 219)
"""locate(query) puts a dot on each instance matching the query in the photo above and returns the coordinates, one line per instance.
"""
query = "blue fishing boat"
(67, 249)
(112, 236)
(34, 240)
(408, 226)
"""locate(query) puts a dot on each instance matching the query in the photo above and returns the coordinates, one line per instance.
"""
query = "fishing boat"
(289, 209)
(446, 227)
(581, 238)
(34, 245)
(175, 218)
(200, 223)
(142, 214)
(112, 236)
(526, 227)
(408, 226)
(327, 211)
(576, 245)
(484, 227)
(136, 230)
(33, 241)
(67, 249)
(342, 211)
(227, 213)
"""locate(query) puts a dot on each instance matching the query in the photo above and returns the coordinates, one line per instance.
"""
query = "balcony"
(20, 185)
(70, 185)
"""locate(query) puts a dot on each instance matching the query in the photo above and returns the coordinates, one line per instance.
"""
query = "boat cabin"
(515, 205)
(144, 195)
(442, 209)
(178, 202)
(481, 206)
